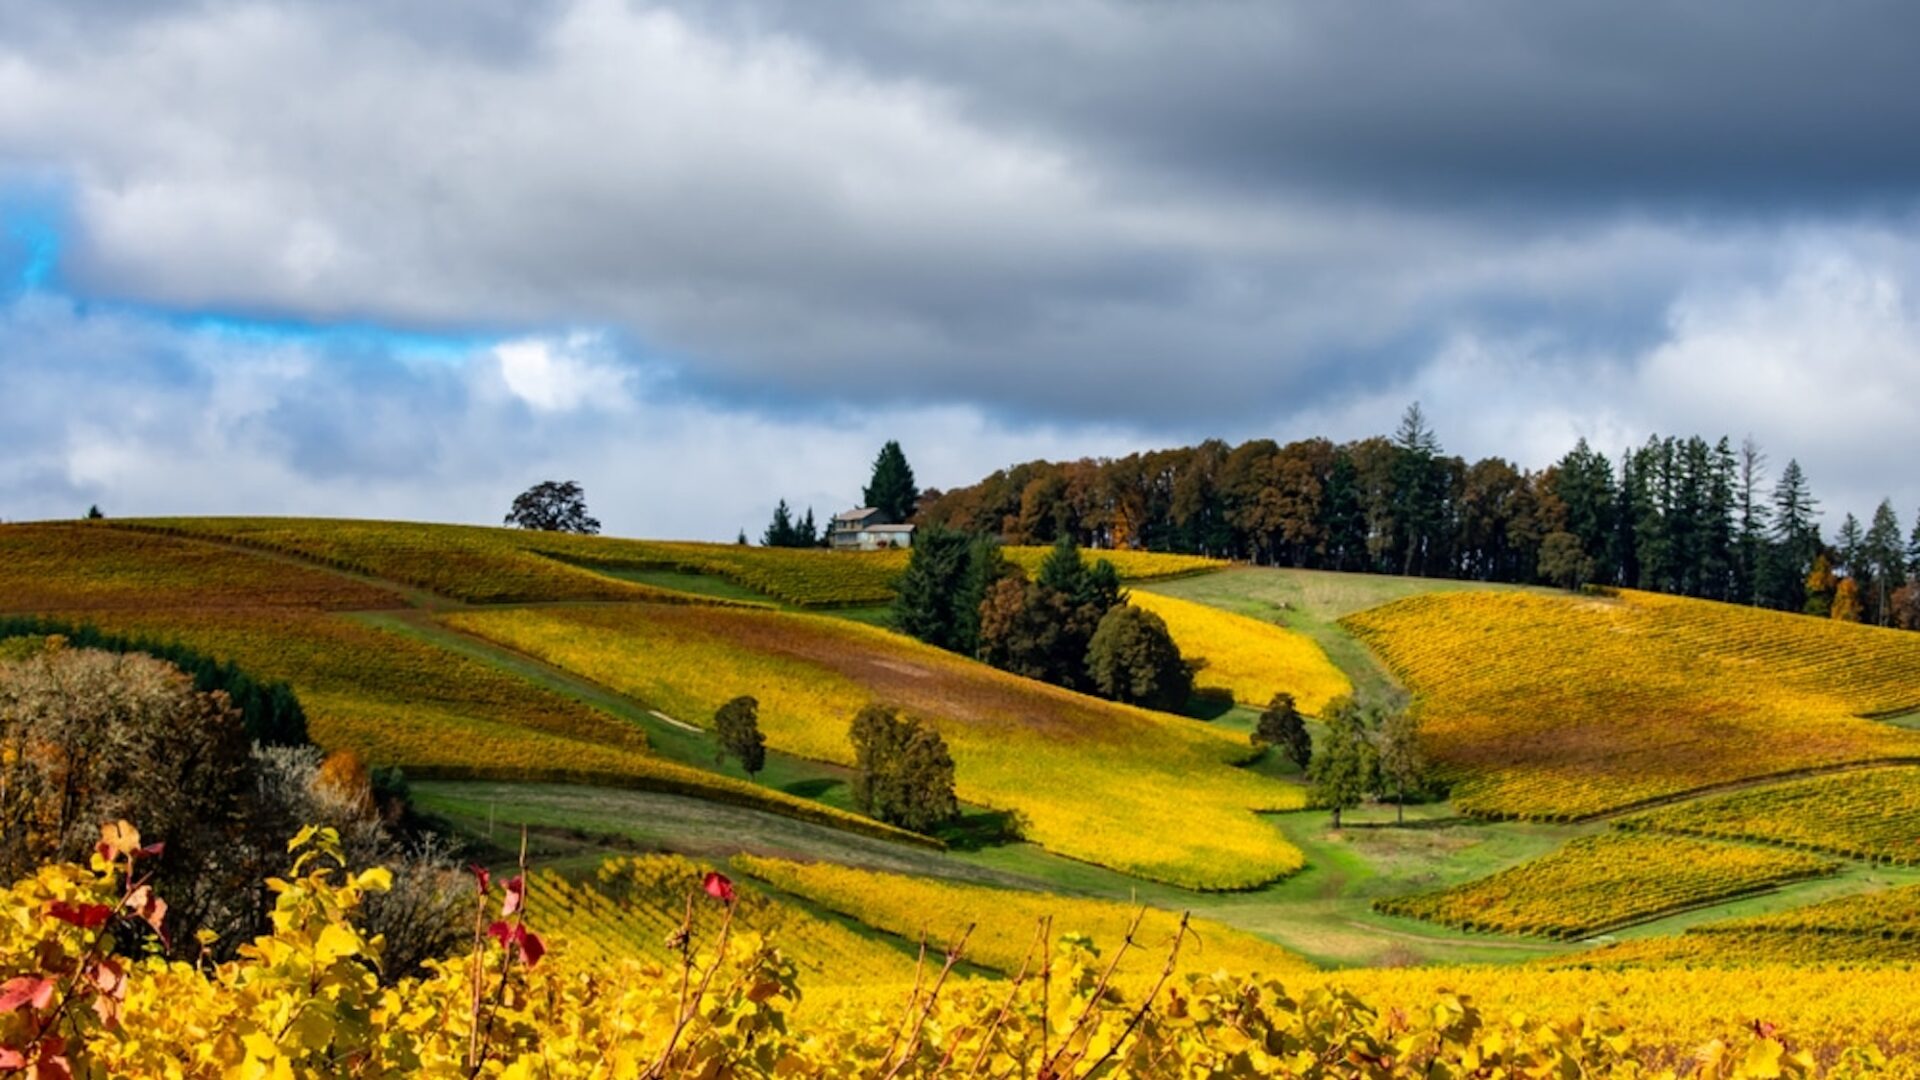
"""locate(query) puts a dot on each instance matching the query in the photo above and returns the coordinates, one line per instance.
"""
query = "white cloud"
(561, 375)
(145, 417)
(1816, 355)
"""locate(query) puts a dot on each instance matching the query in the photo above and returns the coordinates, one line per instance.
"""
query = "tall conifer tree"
(892, 490)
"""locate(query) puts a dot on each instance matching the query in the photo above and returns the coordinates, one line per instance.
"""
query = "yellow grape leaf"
(377, 879)
(335, 942)
(1763, 1060)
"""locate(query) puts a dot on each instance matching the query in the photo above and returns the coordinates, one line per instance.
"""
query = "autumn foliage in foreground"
(84, 996)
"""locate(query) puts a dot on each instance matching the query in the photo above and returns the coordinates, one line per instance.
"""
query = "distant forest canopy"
(1683, 516)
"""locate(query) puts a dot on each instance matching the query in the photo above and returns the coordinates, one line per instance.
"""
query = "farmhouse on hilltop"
(866, 529)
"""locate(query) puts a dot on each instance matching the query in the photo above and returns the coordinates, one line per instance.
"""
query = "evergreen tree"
(1419, 491)
(930, 598)
(1343, 767)
(985, 566)
(1583, 482)
(1346, 520)
(93, 513)
(1885, 561)
(1795, 541)
(1132, 659)
(1651, 495)
(742, 539)
(736, 727)
(1718, 550)
(1913, 550)
(1282, 726)
(1626, 541)
(1750, 527)
(892, 491)
(806, 534)
(780, 532)
(1851, 541)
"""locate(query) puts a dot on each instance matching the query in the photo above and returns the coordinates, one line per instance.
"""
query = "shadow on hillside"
(1208, 707)
(811, 789)
(981, 829)
(1448, 822)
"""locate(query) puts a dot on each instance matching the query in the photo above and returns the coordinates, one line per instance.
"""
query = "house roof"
(855, 514)
(890, 528)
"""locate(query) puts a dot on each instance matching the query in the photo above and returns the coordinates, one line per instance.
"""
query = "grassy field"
(1565, 706)
(1151, 794)
(1597, 883)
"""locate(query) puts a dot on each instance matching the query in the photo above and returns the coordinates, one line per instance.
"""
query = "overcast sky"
(405, 258)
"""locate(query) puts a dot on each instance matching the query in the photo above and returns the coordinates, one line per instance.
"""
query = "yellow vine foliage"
(1143, 792)
(84, 568)
(1601, 882)
(1003, 921)
(1562, 707)
(1251, 659)
(1870, 814)
(397, 700)
(306, 1001)
(632, 905)
(1129, 564)
(491, 565)
(1870, 930)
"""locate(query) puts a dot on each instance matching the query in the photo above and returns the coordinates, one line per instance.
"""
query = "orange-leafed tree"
(1846, 601)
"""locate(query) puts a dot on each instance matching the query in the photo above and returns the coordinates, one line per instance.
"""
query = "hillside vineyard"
(1630, 834)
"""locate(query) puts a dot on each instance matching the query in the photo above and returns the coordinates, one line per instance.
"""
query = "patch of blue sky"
(448, 347)
(30, 241)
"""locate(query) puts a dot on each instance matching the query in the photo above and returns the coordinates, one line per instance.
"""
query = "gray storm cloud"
(1058, 228)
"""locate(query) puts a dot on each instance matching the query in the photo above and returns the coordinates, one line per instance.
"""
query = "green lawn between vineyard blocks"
(1321, 913)
(1312, 602)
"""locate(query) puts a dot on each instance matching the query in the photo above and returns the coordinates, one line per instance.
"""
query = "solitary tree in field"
(1342, 771)
(553, 506)
(1132, 659)
(1402, 759)
(93, 512)
(903, 773)
(892, 490)
(737, 726)
(1281, 726)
